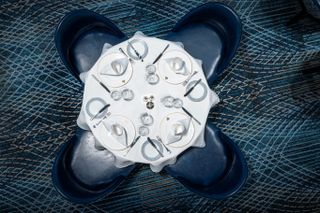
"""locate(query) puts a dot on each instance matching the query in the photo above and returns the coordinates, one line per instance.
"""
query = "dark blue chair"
(211, 33)
(216, 171)
(81, 173)
(80, 37)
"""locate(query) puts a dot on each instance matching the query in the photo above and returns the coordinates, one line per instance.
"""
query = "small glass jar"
(168, 101)
(151, 69)
(152, 79)
(177, 103)
(146, 119)
(143, 130)
(127, 94)
(115, 95)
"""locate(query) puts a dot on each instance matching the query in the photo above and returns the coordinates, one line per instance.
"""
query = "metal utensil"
(132, 144)
(185, 82)
(135, 51)
(154, 146)
(159, 139)
(104, 86)
(160, 55)
(190, 90)
(122, 51)
(101, 120)
(188, 113)
(101, 110)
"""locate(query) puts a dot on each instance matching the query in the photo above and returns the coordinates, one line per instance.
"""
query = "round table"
(146, 100)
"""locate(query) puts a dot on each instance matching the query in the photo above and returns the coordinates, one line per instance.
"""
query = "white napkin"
(178, 130)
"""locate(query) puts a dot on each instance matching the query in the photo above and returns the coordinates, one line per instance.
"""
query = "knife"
(154, 146)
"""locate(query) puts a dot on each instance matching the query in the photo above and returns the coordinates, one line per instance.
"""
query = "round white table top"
(146, 100)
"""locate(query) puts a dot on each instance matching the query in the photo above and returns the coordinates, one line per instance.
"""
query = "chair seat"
(80, 37)
(216, 171)
(211, 33)
(82, 173)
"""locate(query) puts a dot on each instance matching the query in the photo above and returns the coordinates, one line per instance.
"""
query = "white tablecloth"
(126, 115)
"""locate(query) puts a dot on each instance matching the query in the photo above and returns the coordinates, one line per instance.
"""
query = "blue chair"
(81, 173)
(80, 37)
(211, 33)
(216, 171)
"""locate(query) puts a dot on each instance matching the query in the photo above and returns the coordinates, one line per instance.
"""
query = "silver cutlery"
(185, 82)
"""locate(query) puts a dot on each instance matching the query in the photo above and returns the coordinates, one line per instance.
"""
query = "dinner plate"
(168, 74)
(167, 127)
(109, 80)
